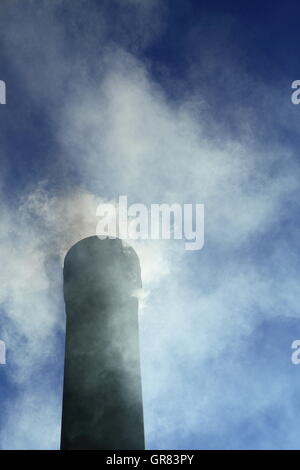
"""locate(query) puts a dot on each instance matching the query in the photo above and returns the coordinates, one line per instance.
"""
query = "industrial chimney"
(102, 398)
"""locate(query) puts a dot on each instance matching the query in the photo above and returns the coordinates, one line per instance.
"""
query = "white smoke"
(121, 134)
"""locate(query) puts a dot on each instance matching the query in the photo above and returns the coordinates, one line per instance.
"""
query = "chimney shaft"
(102, 400)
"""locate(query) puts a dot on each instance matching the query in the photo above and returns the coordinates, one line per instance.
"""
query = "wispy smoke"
(118, 132)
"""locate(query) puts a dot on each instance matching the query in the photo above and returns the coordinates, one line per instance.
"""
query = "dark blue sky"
(261, 36)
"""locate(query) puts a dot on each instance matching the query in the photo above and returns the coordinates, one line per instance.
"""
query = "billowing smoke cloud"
(118, 132)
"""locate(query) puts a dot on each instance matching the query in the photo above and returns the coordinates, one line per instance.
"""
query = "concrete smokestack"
(102, 400)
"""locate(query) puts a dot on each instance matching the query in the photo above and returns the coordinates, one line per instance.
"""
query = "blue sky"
(164, 101)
